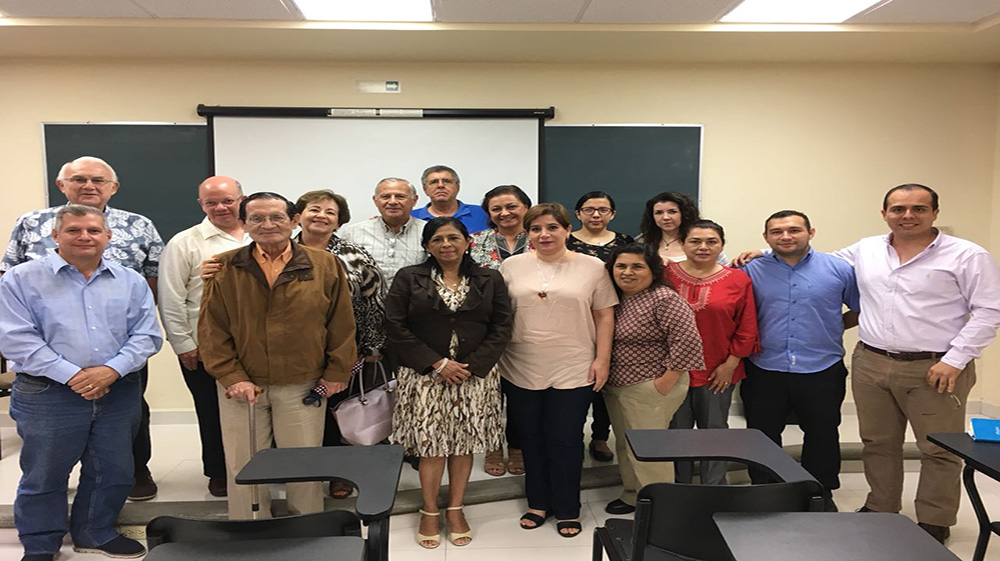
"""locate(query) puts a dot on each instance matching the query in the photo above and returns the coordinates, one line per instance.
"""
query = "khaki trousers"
(640, 406)
(281, 416)
(888, 393)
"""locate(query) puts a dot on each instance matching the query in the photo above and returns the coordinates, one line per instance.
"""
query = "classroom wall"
(824, 139)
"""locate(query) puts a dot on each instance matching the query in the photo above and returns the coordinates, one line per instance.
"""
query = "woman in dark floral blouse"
(656, 343)
(595, 210)
(505, 205)
(322, 213)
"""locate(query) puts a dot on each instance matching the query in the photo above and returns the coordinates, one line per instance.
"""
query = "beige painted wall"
(825, 139)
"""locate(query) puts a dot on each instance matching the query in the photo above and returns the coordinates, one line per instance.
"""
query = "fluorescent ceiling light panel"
(366, 10)
(796, 11)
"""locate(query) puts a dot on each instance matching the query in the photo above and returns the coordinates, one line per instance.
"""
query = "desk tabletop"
(827, 536)
(342, 548)
(984, 456)
(374, 470)
(738, 445)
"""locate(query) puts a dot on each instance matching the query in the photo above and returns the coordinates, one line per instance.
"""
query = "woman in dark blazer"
(448, 321)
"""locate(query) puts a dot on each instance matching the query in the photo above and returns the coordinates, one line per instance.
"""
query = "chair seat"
(173, 529)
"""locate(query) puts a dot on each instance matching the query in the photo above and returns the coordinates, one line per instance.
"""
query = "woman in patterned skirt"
(448, 322)
(656, 344)
(322, 213)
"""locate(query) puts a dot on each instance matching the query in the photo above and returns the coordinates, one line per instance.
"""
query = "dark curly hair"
(651, 233)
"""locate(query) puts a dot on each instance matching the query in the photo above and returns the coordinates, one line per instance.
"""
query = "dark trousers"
(206, 406)
(142, 445)
(550, 424)
(600, 427)
(513, 439)
(769, 397)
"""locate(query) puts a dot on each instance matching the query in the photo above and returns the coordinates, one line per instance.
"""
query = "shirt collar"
(804, 259)
(209, 230)
(262, 257)
(402, 229)
(57, 263)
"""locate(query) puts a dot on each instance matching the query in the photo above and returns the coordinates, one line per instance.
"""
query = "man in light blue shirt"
(76, 327)
(800, 296)
(441, 185)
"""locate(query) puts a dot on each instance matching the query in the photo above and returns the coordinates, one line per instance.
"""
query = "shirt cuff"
(62, 371)
(185, 345)
(121, 365)
(952, 358)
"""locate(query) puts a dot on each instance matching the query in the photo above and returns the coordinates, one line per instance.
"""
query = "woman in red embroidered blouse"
(722, 299)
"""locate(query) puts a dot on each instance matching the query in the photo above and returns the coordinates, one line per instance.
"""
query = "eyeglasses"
(80, 180)
(588, 210)
(213, 204)
(258, 219)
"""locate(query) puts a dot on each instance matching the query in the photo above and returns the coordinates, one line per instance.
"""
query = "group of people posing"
(503, 326)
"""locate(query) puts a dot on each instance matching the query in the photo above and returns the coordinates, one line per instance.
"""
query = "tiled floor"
(177, 470)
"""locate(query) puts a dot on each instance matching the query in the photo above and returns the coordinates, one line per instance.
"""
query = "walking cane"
(254, 492)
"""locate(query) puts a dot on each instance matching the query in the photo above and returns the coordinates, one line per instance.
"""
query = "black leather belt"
(904, 356)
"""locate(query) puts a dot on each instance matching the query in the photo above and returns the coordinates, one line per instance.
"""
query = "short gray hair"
(413, 190)
(86, 160)
(78, 210)
(436, 169)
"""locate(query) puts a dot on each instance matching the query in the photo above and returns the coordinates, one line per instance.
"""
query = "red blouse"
(726, 315)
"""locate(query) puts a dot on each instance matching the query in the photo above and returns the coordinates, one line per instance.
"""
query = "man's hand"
(745, 257)
(190, 359)
(209, 267)
(942, 377)
(453, 373)
(93, 382)
(333, 387)
(599, 370)
(246, 391)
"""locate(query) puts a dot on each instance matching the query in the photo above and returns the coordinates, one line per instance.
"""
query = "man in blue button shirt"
(76, 327)
(800, 296)
(441, 185)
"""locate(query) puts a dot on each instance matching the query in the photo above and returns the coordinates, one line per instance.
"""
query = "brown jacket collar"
(299, 266)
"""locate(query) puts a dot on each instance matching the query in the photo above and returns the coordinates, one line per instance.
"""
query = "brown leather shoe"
(217, 487)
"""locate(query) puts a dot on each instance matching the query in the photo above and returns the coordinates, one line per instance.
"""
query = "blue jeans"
(59, 428)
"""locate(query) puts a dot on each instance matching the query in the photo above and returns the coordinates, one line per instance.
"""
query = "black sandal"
(532, 517)
(569, 525)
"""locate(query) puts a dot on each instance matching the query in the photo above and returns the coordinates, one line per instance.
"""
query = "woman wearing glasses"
(595, 210)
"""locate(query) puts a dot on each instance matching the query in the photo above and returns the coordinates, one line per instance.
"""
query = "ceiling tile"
(507, 11)
(930, 11)
(71, 9)
(657, 11)
(221, 9)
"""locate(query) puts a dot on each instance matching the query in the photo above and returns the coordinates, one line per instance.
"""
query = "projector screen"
(292, 155)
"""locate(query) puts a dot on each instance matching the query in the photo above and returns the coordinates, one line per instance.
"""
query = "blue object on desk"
(984, 430)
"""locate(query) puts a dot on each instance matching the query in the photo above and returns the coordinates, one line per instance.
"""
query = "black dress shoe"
(600, 455)
(217, 486)
(829, 505)
(39, 557)
(940, 533)
(619, 506)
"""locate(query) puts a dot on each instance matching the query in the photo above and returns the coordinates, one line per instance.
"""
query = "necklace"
(543, 281)
(667, 244)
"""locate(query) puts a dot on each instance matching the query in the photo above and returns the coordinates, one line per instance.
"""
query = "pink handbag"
(366, 419)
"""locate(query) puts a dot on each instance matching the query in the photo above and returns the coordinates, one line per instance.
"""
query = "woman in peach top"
(558, 356)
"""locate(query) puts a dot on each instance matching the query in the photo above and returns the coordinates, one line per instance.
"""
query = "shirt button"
(90, 307)
(92, 328)
(96, 350)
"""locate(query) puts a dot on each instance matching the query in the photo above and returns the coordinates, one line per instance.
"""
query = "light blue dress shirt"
(54, 323)
(800, 311)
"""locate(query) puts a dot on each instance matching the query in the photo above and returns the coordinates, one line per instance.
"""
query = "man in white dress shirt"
(180, 300)
(930, 304)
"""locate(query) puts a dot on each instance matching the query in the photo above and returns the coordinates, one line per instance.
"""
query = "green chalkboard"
(631, 163)
(159, 167)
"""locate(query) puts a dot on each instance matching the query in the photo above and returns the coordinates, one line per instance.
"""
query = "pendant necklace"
(543, 281)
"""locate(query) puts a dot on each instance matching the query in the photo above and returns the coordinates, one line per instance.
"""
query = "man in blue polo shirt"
(800, 296)
(441, 185)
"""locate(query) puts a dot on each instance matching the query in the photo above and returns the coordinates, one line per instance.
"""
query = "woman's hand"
(599, 372)
(453, 373)
(722, 377)
(666, 382)
(333, 387)
(246, 391)
(209, 267)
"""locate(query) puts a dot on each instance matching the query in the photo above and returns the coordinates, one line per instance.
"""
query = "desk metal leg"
(985, 526)
(378, 540)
